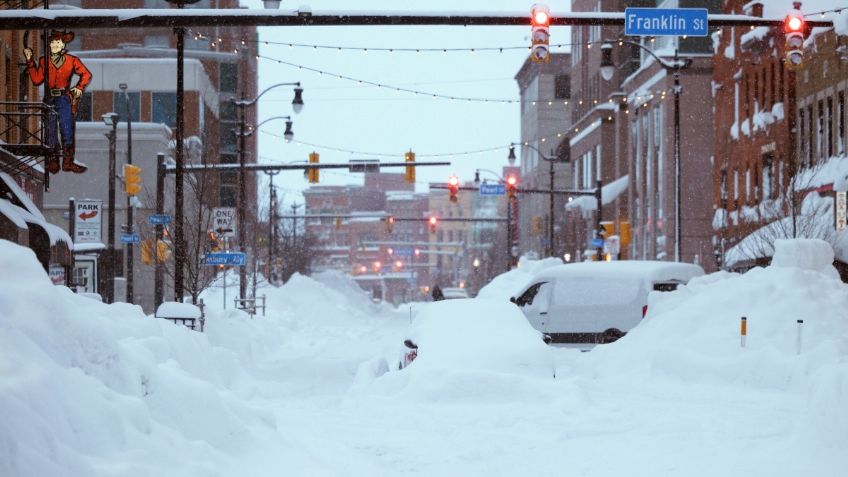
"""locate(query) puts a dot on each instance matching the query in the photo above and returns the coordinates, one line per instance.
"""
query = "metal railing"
(249, 305)
(23, 134)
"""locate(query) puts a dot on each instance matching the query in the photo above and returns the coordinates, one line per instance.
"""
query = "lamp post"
(111, 119)
(674, 66)
(551, 160)
(272, 214)
(123, 87)
(243, 133)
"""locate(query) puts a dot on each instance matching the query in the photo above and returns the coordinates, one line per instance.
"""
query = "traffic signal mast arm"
(170, 169)
(521, 190)
(16, 19)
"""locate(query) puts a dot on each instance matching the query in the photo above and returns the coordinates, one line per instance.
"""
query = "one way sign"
(224, 221)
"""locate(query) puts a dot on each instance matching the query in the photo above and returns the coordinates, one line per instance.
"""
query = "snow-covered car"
(596, 302)
(473, 334)
(452, 293)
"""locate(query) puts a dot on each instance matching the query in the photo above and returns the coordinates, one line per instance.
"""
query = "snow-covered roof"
(641, 269)
(609, 193)
(29, 213)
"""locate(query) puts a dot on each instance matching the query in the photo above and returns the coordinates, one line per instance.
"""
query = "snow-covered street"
(102, 390)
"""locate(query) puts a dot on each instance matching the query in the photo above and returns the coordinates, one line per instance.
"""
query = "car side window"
(527, 297)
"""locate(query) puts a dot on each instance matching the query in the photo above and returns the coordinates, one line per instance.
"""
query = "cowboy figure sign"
(61, 95)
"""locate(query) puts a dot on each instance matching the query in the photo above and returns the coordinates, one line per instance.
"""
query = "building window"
(562, 87)
(228, 138)
(119, 105)
(736, 186)
(229, 158)
(820, 132)
(768, 175)
(658, 145)
(84, 110)
(229, 77)
(802, 141)
(810, 134)
(164, 108)
(749, 196)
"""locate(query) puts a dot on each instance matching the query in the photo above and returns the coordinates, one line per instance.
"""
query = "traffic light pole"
(129, 204)
(159, 274)
(110, 232)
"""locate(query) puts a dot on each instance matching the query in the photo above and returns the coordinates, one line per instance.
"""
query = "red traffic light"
(433, 221)
(793, 23)
(511, 181)
(453, 187)
(453, 181)
(540, 15)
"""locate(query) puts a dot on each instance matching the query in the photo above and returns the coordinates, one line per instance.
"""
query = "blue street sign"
(158, 219)
(130, 238)
(402, 251)
(596, 243)
(665, 21)
(492, 189)
(225, 258)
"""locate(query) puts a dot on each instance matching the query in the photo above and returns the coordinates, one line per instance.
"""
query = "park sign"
(87, 221)
(665, 22)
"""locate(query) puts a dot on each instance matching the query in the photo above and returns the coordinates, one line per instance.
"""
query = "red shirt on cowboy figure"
(61, 95)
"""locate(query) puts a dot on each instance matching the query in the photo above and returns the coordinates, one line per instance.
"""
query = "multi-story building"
(134, 75)
(23, 151)
(780, 137)
(545, 90)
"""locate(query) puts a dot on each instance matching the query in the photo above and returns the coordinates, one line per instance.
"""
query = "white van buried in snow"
(596, 302)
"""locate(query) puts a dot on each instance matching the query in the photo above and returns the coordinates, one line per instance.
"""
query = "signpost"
(665, 22)
(492, 189)
(88, 221)
(596, 243)
(402, 251)
(237, 259)
(841, 209)
(224, 221)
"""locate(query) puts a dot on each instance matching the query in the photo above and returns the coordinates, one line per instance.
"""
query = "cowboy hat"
(65, 36)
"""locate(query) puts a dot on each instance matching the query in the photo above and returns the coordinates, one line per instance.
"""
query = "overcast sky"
(344, 115)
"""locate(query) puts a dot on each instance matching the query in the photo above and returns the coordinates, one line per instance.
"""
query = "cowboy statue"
(61, 95)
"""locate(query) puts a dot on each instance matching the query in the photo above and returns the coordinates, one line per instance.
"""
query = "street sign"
(158, 219)
(841, 210)
(665, 21)
(225, 258)
(402, 251)
(492, 189)
(87, 221)
(612, 245)
(224, 221)
(130, 238)
(596, 243)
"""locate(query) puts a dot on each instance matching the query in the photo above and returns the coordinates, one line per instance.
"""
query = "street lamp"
(550, 160)
(123, 87)
(674, 66)
(241, 104)
(111, 119)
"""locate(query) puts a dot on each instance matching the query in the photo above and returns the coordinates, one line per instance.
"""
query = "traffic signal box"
(132, 179)
(163, 251)
(433, 222)
(390, 224)
(409, 175)
(536, 225)
(453, 187)
(312, 173)
(795, 29)
(540, 21)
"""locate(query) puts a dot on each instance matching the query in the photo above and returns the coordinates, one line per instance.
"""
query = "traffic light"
(794, 29)
(313, 172)
(540, 21)
(409, 175)
(511, 187)
(213, 242)
(453, 187)
(338, 223)
(132, 179)
(433, 222)
(607, 229)
(390, 224)
(163, 251)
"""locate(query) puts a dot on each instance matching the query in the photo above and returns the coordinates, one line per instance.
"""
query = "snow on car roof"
(650, 269)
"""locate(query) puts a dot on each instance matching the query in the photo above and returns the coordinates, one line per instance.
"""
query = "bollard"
(744, 329)
(798, 337)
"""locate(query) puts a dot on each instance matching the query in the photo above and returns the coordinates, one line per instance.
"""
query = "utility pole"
(111, 119)
(159, 274)
(272, 215)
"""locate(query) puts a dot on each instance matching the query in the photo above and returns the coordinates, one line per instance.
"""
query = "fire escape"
(23, 136)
